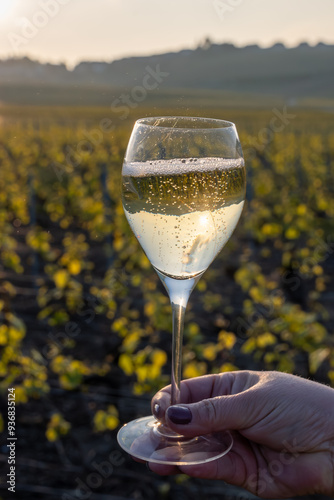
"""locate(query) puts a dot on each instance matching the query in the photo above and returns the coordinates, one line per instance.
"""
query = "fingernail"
(148, 466)
(157, 411)
(179, 414)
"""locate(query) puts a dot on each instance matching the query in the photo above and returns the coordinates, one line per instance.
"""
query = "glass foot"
(147, 439)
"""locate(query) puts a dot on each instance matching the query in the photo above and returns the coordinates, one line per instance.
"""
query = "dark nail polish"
(179, 414)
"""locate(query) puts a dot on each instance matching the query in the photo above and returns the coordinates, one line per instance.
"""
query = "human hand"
(283, 430)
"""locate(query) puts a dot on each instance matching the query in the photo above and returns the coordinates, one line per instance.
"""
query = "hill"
(276, 72)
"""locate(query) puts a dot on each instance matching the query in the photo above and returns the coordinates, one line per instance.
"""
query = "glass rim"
(217, 123)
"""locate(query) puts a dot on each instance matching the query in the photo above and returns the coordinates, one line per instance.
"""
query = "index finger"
(194, 390)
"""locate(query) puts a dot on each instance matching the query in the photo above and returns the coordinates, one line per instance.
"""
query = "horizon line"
(201, 46)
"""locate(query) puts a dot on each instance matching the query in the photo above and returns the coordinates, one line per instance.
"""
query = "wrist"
(331, 446)
(331, 442)
(324, 402)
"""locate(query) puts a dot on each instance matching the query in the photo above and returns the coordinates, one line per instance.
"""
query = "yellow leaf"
(125, 362)
(74, 266)
(322, 204)
(285, 365)
(159, 357)
(226, 340)
(64, 223)
(145, 263)
(112, 410)
(14, 334)
(256, 294)
(51, 434)
(228, 367)
(138, 389)
(99, 418)
(136, 280)
(248, 346)
(269, 357)
(301, 209)
(210, 352)
(292, 233)
(194, 369)
(55, 419)
(201, 286)
(192, 330)
(131, 340)
(118, 242)
(64, 428)
(61, 278)
(265, 339)
(143, 373)
(3, 335)
(271, 229)
(320, 285)
(154, 372)
(318, 270)
(149, 309)
(111, 422)
(20, 395)
(277, 301)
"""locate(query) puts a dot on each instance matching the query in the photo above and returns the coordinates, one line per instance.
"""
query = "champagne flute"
(183, 192)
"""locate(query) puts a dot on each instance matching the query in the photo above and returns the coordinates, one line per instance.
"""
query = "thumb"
(210, 415)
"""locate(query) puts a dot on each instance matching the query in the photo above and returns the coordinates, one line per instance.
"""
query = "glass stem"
(179, 292)
(178, 324)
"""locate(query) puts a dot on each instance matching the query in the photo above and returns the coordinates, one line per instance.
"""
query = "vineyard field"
(85, 324)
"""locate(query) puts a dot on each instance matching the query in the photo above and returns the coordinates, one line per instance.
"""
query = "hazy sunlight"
(6, 8)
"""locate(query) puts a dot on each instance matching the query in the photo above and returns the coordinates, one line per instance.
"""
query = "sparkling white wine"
(183, 211)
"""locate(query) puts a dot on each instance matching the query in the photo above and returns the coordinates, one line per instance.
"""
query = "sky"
(71, 31)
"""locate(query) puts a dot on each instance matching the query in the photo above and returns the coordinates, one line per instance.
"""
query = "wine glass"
(183, 192)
